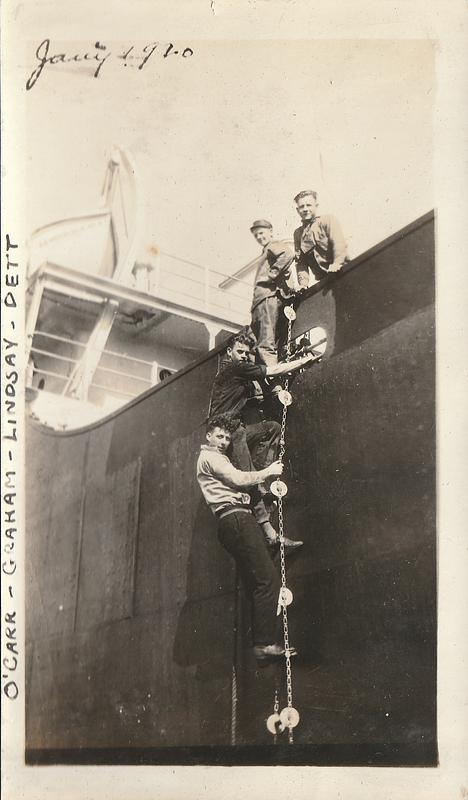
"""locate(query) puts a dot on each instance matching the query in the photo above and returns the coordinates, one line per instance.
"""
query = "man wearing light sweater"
(224, 488)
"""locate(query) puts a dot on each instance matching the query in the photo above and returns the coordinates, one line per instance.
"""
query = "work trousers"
(253, 448)
(265, 325)
(241, 536)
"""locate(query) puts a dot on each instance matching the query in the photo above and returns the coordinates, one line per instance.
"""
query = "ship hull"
(131, 601)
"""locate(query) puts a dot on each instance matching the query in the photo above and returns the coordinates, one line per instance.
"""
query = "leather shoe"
(272, 652)
(290, 545)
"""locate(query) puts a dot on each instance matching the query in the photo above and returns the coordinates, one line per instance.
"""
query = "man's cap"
(305, 193)
(260, 223)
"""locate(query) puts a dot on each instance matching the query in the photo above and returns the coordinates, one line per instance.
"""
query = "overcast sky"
(233, 132)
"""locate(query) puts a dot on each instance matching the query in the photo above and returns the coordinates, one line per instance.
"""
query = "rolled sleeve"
(222, 469)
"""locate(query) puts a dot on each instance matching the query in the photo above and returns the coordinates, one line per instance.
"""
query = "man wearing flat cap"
(272, 284)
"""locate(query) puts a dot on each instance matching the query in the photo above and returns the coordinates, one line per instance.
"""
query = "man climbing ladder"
(254, 439)
(224, 489)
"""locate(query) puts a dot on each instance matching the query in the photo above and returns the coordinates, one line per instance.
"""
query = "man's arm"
(280, 256)
(289, 366)
(338, 243)
(226, 472)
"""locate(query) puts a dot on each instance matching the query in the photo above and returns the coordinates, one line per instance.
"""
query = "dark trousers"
(255, 447)
(241, 536)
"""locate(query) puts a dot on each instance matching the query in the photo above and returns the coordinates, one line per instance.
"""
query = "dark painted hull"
(131, 601)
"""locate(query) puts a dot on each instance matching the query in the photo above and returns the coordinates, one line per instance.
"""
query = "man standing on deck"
(272, 285)
(223, 487)
(238, 391)
(319, 243)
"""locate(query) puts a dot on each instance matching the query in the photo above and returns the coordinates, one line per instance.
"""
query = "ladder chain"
(276, 703)
(233, 705)
(234, 693)
(276, 708)
(282, 451)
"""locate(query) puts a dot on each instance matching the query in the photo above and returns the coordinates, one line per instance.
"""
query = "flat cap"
(260, 223)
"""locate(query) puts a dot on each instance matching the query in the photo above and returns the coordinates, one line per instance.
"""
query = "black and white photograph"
(226, 380)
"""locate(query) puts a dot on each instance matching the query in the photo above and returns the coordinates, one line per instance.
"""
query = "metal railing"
(198, 287)
(189, 284)
(65, 360)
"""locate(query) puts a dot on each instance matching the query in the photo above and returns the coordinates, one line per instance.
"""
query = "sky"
(233, 132)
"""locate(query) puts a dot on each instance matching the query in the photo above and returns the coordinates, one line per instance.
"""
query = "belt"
(223, 512)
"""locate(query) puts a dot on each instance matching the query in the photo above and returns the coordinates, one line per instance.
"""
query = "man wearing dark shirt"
(319, 243)
(272, 283)
(255, 440)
